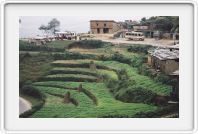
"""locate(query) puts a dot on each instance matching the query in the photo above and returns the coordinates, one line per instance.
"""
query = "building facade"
(145, 29)
(104, 26)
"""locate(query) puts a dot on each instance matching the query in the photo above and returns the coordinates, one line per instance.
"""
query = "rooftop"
(165, 54)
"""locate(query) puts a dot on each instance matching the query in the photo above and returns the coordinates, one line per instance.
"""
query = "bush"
(137, 61)
(31, 91)
(25, 46)
(71, 55)
(148, 71)
(139, 48)
(163, 78)
(111, 83)
(120, 58)
(135, 94)
(159, 112)
(87, 44)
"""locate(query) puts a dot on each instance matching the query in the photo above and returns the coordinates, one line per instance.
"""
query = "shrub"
(159, 112)
(135, 94)
(148, 71)
(87, 44)
(31, 91)
(25, 46)
(71, 55)
(121, 58)
(111, 83)
(23, 56)
(139, 48)
(162, 78)
(137, 61)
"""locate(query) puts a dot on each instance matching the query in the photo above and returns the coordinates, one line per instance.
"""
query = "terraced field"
(84, 80)
(62, 78)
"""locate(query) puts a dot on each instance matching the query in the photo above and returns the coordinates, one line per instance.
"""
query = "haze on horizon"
(29, 24)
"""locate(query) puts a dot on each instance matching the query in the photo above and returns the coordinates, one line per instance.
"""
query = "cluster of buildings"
(111, 26)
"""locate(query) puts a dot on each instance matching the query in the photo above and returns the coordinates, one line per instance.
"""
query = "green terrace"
(144, 81)
(107, 106)
(72, 81)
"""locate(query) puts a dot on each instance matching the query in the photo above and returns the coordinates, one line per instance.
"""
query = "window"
(105, 24)
(97, 24)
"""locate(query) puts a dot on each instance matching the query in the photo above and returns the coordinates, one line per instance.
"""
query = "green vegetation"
(163, 23)
(87, 44)
(33, 67)
(38, 101)
(107, 105)
(138, 48)
(55, 46)
(107, 85)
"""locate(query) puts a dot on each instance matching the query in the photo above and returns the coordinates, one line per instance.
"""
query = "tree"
(162, 23)
(44, 28)
(54, 25)
(143, 20)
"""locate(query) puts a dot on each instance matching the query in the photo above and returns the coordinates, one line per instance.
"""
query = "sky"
(29, 24)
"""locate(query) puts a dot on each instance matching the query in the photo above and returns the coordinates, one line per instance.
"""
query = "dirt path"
(24, 105)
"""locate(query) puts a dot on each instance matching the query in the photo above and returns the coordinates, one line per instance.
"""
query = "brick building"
(104, 26)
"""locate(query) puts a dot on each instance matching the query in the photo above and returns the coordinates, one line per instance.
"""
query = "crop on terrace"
(96, 79)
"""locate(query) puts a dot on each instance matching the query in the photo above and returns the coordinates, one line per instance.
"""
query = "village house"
(104, 26)
(165, 60)
(147, 30)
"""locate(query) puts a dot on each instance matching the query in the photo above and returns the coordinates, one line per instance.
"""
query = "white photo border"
(3, 4)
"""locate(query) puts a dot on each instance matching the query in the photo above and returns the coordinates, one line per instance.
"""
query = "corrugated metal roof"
(165, 54)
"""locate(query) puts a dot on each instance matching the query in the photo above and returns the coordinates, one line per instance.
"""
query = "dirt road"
(147, 41)
(24, 105)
